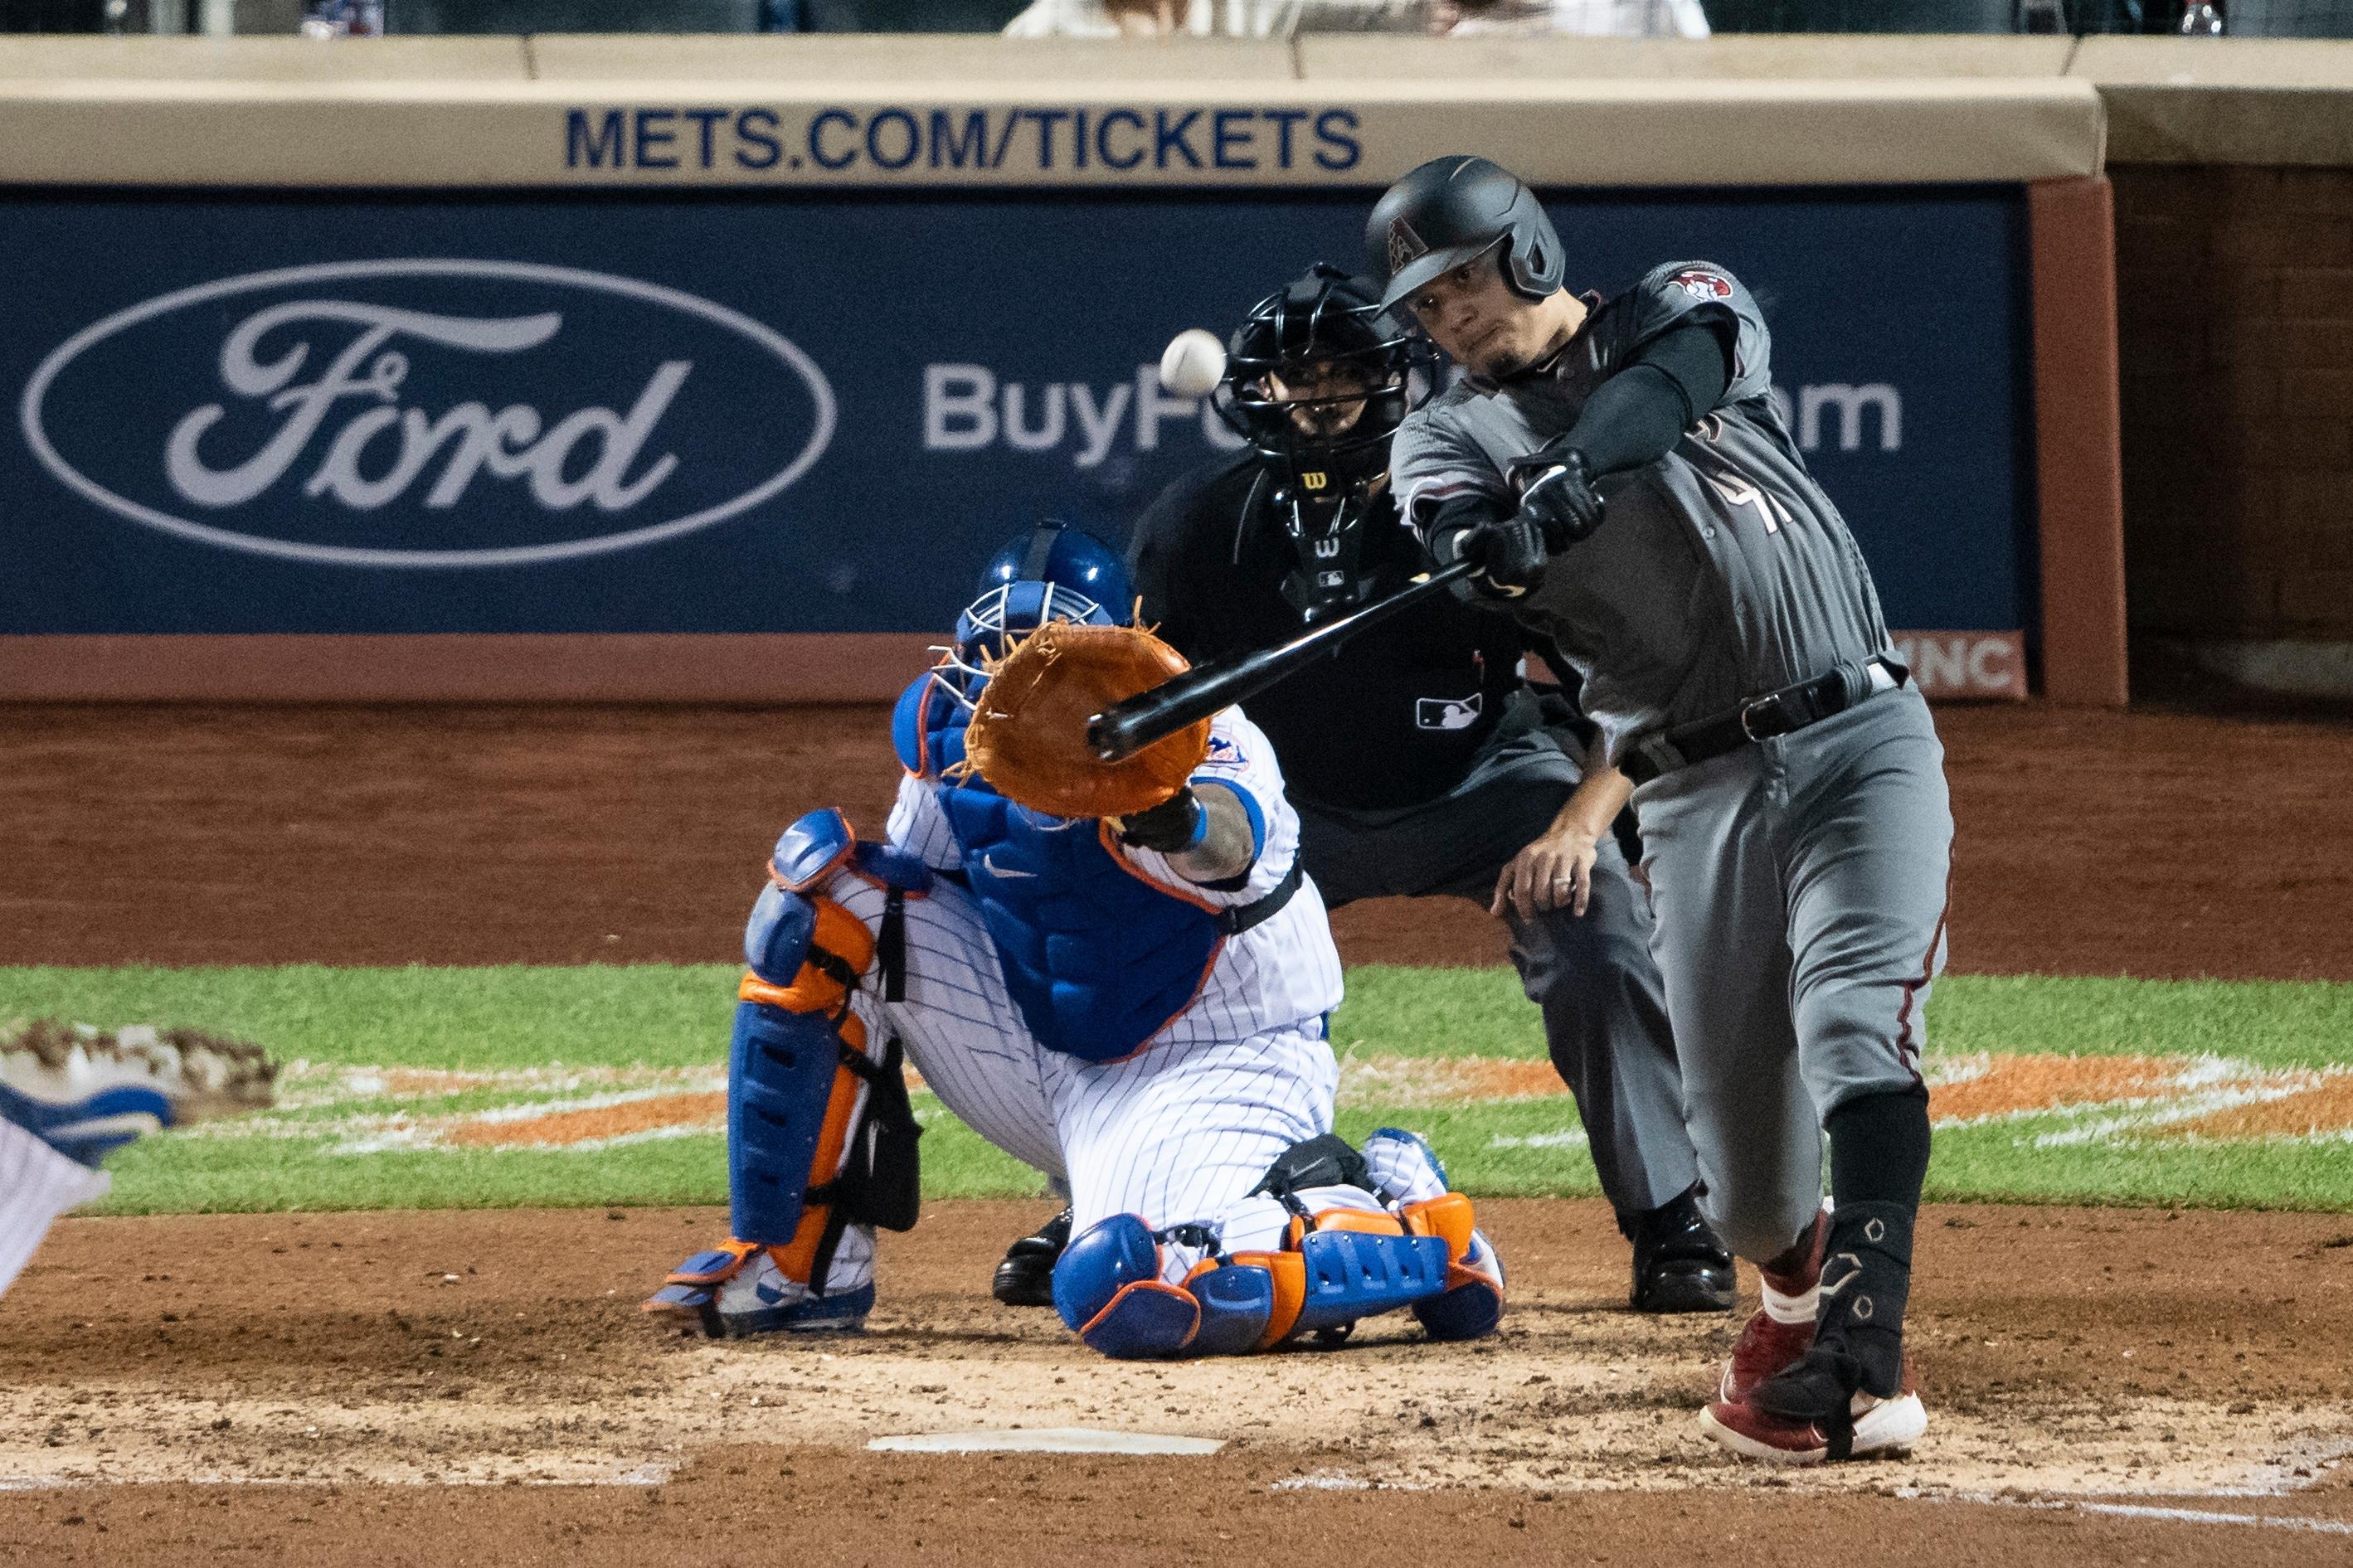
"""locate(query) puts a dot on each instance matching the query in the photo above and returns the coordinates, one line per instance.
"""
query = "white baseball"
(1193, 362)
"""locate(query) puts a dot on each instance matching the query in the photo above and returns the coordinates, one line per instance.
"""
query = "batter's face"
(1325, 400)
(1488, 327)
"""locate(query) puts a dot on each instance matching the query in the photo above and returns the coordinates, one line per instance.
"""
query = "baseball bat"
(1127, 727)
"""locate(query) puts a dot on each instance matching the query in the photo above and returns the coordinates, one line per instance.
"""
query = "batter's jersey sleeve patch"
(1701, 283)
(1682, 292)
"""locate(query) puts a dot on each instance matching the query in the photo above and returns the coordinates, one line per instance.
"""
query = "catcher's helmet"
(1455, 208)
(1049, 572)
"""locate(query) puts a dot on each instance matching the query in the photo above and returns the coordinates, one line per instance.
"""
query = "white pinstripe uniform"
(1177, 1131)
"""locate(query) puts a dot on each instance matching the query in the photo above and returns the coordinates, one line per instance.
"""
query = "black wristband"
(1175, 824)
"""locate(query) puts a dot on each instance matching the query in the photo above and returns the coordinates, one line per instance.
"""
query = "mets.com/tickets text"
(867, 140)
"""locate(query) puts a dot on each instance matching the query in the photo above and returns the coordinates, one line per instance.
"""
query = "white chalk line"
(2152, 1511)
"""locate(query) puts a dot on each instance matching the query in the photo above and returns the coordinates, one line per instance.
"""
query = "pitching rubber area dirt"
(2103, 1385)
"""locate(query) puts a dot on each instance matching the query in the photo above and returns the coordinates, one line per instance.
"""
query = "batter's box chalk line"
(2151, 1511)
(1341, 1482)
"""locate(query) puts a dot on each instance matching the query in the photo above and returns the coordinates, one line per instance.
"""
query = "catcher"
(1117, 974)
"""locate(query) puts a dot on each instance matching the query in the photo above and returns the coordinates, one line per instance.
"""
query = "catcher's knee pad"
(799, 1058)
(1405, 1174)
(1471, 1305)
(1108, 1289)
(1344, 1264)
(1336, 1267)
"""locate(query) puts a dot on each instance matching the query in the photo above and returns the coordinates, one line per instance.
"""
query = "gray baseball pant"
(1798, 890)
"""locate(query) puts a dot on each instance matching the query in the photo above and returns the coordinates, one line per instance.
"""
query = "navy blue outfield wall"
(527, 413)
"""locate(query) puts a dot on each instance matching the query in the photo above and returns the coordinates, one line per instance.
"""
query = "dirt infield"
(2106, 1385)
(2077, 1358)
(2089, 843)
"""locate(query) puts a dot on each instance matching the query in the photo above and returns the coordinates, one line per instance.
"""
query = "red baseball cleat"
(1766, 1346)
(1873, 1425)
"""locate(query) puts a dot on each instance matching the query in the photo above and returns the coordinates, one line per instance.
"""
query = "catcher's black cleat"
(1026, 1277)
(1679, 1264)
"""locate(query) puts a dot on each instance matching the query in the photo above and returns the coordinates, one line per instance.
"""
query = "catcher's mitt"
(1028, 731)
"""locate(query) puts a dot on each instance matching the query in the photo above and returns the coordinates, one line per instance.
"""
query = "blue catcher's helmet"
(1050, 573)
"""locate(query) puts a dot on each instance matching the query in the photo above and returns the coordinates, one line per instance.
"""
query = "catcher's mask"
(1318, 378)
(1050, 573)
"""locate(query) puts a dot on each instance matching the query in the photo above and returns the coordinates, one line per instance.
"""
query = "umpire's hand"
(1554, 872)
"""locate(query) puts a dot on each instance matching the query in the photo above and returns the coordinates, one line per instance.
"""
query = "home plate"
(1046, 1440)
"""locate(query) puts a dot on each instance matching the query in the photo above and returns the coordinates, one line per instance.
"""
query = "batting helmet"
(1452, 209)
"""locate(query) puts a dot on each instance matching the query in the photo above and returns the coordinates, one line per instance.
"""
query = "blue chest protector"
(1098, 959)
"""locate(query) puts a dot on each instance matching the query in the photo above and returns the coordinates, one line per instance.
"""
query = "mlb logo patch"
(1701, 284)
(1448, 713)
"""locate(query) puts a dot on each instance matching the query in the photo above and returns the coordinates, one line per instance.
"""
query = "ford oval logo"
(427, 412)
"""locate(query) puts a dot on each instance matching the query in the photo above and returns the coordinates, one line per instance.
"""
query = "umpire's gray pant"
(1605, 1013)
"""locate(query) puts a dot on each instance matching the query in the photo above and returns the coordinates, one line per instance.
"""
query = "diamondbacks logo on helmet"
(1405, 246)
(1702, 284)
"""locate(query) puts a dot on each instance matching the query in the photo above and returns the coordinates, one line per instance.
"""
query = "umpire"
(1420, 763)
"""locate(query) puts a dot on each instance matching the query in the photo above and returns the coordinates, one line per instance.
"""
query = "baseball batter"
(1420, 763)
(1618, 472)
(1134, 1007)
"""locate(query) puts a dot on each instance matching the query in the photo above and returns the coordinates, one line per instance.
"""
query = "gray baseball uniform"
(1797, 885)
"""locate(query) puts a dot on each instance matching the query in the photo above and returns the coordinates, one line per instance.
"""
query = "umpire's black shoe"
(1679, 1264)
(1026, 1278)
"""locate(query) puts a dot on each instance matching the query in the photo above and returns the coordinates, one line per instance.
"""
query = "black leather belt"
(1782, 712)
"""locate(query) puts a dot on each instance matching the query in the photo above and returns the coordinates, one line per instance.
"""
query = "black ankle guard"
(1866, 1283)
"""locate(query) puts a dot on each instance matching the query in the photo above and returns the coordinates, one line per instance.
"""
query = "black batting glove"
(1173, 825)
(1556, 495)
(1510, 553)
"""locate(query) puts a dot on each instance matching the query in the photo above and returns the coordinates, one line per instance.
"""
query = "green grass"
(676, 1017)
(495, 1016)
(1394, 1011)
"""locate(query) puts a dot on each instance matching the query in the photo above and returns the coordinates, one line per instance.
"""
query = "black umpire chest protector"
(1393, 717)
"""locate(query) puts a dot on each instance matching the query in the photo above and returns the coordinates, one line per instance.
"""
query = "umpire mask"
(1318, 377)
